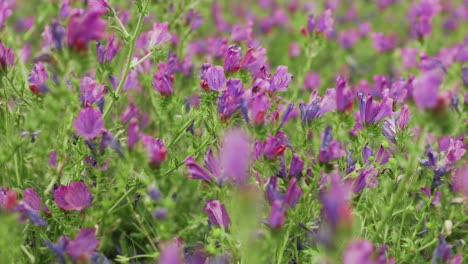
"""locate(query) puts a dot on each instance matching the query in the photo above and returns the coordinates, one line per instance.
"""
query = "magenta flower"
(259, 107)
(277, 215)
(155, 149)
(372, 111)
(52, 161)
(460, 180)
(163, 82)
(5, 12)
(296, 167)
(426, 88)
(75, 196)
(85, 26)
(408, 56)
(335, 200)
(158, 35)
(170, 254)
(281, 79)
(133, 133)
(274, 146)
(311, 81)
(317, 106)
(330, 148)
(326, 24)
(38, 78)
(31, 207)
(89, 123)
(293, 193)
(215, 77)
(83, 247)
(363, 252)
(91, 92)
(344, 94)
(7, 56)
(211, 163)
(231, 98)
(383, 43)
(366, 178)
(217, 214)
(196, 171)
(232, 59)
(348, 38)
(8, 199)
(107, 53)
(235, 156)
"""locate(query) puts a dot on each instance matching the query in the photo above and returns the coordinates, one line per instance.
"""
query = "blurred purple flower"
(426, 87)
(326, 24)
(7, 56)
(330, 148)
(107, 53)
(281, 79)
(83, 246)
(170, 254)
(383, 43)
(133, 133)
(52, 161)
(38, 78)
(296, 167)
(317, 106)
(217, 214)
(344, 94)
(155, 149)
(235, 156)
(91, 91)
(312, 81)
(158, 35)
(84, 26)
(371, 111)
(293, 193)
(89, 123)
(277, 215)
(232, 59)
(335, 200)
(75, 196)
(5, 12)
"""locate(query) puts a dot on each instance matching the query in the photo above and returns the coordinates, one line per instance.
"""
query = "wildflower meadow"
(247, 131)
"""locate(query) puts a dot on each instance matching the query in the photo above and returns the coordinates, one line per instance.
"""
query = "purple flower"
(107, 53)
(38, 78)
(326, 24)
(89, 123)
(84, 26)
(408, 56)
(217, 214)
(196, 171)
(230, 99)
(277, 215)
(460, 181)
(235, 156)
(348, 38)
(297, 166)
(335, 200)
(311, 81)
(464, 75)
(372, 111)
(330, 148)
(155, 149)
(91, 92)
(281, 79)
(158, 35)
(232, 59)
(317, 106)
(344, 95)
(133, 133)
(442, 252)
(31, 206)
(383, 43)
(163, 82)
(455, 151)
(363, 252)
(108, 140)
(75, 196)
(52, 161)
(293, 193)
(240, 33)
(170, 254)
(7, 56)
(215, 77)
(5, 12)
(289, 113)
(311, 23)
(259, 107)
(366, 178)
(83, 246)
(274, 146)
(426, 87)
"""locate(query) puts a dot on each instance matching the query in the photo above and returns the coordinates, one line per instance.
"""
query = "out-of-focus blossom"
(217, 214)
(443, 253)
(91, 92)
(363, 252)
(163, 81)
(240, 33)
(281, 79)
(277, 215)
(158, 35)
(259, 107)
(194, 19)
(330, 148)
(335, 200)
(382, 42)
(155, 148)
(274, 146)
(232, 59)
(372, 111)
(38, 78)
(408, 56)
(344, 94)
(89, 123)
(133, 133)
(294, 50)
(106, 53)
(84, 26)
(8, 199)
(312, 81)
(75, 196)
(215, 77)
(170, 254)
(348, 38)
(5, 12)
(460, 180)
(7, 56)
(235, 156)
(52, 161)
(83, 248)
(426, 88)
(326, 24)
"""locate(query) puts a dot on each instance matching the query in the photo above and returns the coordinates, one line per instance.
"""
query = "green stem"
(129, 60)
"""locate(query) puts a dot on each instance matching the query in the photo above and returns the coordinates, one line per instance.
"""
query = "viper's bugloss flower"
(311, 23)
(311, 81)
(211, 163)
(83, 246)
(89, 123)
(8, 199)
(52, 161)
(348, 38)
(170, 254)
(274, 146)
(335, 200)
(344, 94)
(133, 133)
(296, 167)
(196, 171)
(293, 193)
(330, 148)
(408, 57)
(277, 215)
(426, 88)
(435, 199)
(235, 156)
(155, 148)
(464, 75)
(163, 81)
(367, 178)
(38, 78)
(294, 50)
(383, 43)
(5, 12)
(107, 53)
(259, 107)
(91, 91)
(363, 252)
(194, 19)
(217, 214)
(399, 121)
(281, 79)
(108, 140)
(230, 99)
(317, 106)
(84, 26)
(215, 78)
(240, 33)
(31, 207)
(7, 56)
(372, 111)
(158, 35)
(75, 196)
(254, 58)
(443, 253)
(53, 36)
(460, 180)
(232, 59)
(326, 24)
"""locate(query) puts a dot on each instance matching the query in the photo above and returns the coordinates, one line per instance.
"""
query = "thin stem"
(142, 59)
(129, 60)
